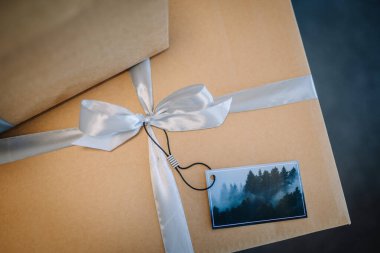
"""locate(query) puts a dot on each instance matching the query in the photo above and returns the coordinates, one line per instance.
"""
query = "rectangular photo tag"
(255, 194)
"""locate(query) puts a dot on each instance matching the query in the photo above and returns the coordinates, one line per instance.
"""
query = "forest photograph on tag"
(256, 194)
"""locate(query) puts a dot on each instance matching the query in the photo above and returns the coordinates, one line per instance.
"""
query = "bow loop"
(191, 98)
(100, 118)
(212, 115)
(106, 126)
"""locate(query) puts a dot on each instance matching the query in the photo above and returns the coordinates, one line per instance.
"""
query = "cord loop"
(175, 164)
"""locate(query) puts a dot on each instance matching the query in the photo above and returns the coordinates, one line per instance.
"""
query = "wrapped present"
(87, 200)
(51, 51)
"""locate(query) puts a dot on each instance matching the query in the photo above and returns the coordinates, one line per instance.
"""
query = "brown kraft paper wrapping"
(84, 200)
(51, 51)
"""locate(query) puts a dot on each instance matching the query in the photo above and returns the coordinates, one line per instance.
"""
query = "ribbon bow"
(106, 126)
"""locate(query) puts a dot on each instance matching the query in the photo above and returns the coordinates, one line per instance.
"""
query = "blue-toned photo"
(256, 194)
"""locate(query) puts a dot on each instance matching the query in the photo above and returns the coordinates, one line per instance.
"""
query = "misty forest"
(267, 195)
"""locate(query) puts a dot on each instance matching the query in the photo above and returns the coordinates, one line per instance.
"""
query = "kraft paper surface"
(53, 50)
(84, 200)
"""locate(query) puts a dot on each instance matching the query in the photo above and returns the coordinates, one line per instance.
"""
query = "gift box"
(86, 200)
(51, 51)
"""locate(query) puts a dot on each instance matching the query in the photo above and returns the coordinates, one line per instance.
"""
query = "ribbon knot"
(147, 119)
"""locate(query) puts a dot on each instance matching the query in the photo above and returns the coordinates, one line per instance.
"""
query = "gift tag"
(256, 194)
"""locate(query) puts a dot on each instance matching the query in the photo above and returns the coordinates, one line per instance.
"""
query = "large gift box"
(53, 50)
(85, 200)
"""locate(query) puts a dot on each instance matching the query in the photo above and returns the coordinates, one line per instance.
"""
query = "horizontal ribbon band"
(106, 126)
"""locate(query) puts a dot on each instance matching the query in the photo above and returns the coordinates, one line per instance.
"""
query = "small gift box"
(51, 51)
(87, 200)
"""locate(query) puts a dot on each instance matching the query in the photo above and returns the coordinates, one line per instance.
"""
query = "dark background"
(342, 42)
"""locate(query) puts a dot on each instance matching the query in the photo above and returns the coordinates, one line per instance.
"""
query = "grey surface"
(342, 42)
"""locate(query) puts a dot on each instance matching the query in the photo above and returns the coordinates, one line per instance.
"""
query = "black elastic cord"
(177, 168)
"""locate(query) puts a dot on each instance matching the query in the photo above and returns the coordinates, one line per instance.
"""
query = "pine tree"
(265, 185)
(275, 181)
(233, 192)
(292, 174)
(249, 182)
(283, 175)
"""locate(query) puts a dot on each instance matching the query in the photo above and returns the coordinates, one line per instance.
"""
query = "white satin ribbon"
(106, 126)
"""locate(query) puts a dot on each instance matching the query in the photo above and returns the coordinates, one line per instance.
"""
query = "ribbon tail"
(174, 231)
(273, 94)
(106, 142)
(20, 147)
